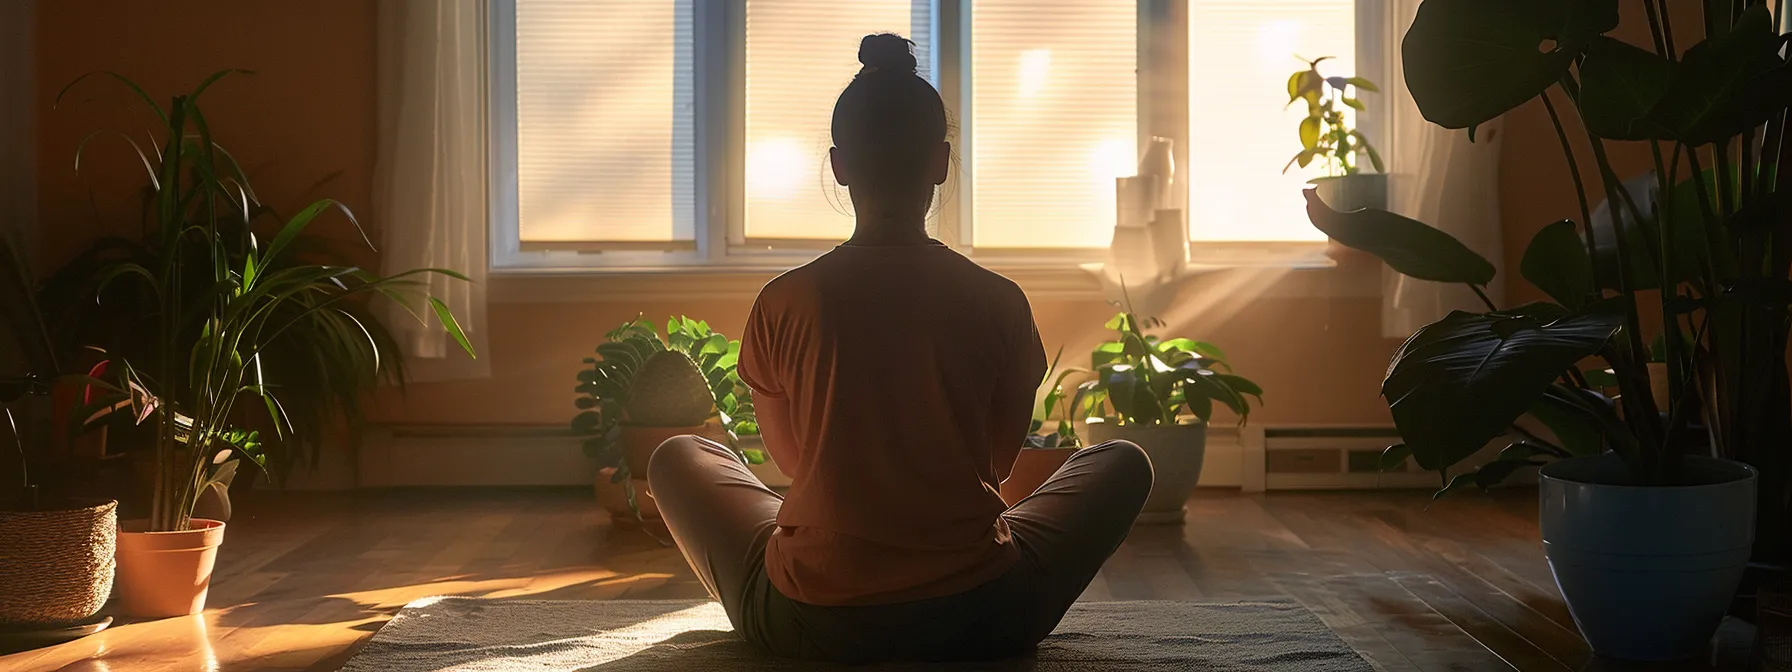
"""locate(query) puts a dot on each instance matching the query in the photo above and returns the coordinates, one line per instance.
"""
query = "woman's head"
(889, 130)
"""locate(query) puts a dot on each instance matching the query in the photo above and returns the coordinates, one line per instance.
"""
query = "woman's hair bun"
(887, 52)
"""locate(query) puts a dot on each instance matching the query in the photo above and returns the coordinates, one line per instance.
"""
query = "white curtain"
(430, 178)
(1439, 178)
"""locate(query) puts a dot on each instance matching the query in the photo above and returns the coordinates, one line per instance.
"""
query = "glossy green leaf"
(1461, 381)
(1579, 423)
(1726, 84)
(1408, 246)
(1309, 132)
(1469, 61)
(1620, 85)
(1556, 262)
(1496, 472)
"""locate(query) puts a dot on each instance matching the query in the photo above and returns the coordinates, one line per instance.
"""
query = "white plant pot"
(1176, 453)
(1647, 572)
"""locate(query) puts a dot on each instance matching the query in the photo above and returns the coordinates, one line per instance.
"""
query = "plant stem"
(1633, 378)
(1667, 30)
(1726, 183)
(1661, 46)
(1483, 295)
(1580, 188)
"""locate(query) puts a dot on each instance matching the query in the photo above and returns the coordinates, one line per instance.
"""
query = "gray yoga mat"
(472, 634)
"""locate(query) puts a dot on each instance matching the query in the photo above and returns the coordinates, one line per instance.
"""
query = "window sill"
(1063, 279)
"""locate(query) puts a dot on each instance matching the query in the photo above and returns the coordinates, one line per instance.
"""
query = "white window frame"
(719, 35)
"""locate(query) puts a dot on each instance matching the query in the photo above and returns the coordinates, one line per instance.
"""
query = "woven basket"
(56, 566)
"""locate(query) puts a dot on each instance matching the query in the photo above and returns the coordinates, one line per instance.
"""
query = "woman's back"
(908, 374)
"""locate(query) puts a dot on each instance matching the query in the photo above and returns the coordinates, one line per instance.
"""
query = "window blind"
(1240, 55)
(800, 55)
(605, 120)
(1054, 119)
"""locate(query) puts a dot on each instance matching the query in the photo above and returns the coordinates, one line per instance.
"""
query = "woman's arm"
(1014, 415)
(1015, 395)
(775, 429)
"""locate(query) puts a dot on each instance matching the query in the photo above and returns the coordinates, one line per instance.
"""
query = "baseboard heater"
(1332, 458)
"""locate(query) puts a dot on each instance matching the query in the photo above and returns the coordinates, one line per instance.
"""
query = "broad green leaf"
(1200, 406)
(1363, 84)
(1374, 156)
(716, 344)
(1579, 423)
(1309, 132)
(1726, 84)
(1556, 262)
(1620, 84)
(1519, 451)
(1240, 384)
(1407, 245)
(1461, 381)
(1469, 61)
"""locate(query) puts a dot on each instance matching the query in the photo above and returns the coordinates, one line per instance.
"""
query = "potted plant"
(1159, 394)
(1327, 137)
(643, 390)
(1650, 511)
(56, 553)
(1042, 454)
(214, 344)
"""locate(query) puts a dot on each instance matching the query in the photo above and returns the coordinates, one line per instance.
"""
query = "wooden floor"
(303, 578)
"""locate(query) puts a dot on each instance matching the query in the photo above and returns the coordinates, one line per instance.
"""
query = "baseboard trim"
(472, 455)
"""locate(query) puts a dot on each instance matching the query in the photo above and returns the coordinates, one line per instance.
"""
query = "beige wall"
(304, 127)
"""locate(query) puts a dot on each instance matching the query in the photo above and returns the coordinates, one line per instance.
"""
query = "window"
(646, 134)
(800, 55)
(604, 122)
(1239, 129)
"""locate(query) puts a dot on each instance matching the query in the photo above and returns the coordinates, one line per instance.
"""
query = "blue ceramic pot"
(1647, 571)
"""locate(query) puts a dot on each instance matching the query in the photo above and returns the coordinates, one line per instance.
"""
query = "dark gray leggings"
(721, 517)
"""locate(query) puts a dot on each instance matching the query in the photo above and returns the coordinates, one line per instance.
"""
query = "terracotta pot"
(639, 442)
(1031, 469)
(163, 574)
(612, 497)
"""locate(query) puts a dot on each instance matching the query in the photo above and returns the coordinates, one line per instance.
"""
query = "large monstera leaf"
(1724, 85)
(1461, 381)
(1468, 61)
(1409, 246)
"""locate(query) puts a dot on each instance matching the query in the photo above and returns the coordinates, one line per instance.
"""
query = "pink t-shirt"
(910, 373)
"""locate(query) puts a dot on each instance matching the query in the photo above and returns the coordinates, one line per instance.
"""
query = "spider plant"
(324, 362)
(222, 301)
